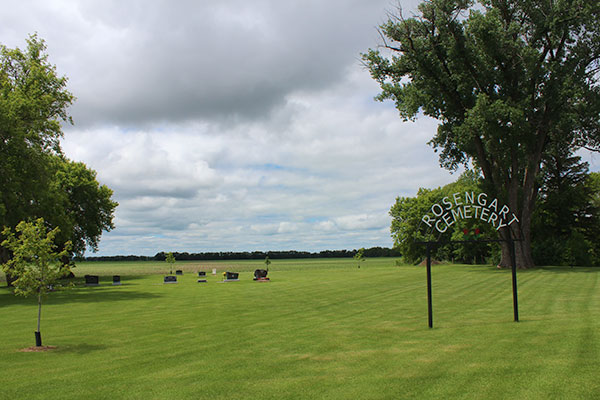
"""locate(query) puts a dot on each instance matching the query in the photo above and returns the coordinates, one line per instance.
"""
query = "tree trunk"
(523, 254)
(4, 258)
(10, 279)
(521, 202)
(39, 311)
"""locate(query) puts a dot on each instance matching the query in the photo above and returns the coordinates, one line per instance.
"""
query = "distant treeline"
(255, 255)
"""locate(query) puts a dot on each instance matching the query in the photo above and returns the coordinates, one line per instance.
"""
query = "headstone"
(261, 274)
(201, 273)
(179, 272)
(92, 280)
(214, 271)
(170, 279)
(201, 280)
(116, 279)
(232, 276)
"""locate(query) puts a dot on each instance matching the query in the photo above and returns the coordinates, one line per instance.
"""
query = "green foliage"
(267, 262)
(33, 102)
(566, 223)
(35, 257)
(407, 227)
(83, 208)
(360, 256)
(170, 259)
(35, 260)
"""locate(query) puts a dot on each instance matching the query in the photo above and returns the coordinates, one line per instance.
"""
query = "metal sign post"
(469, 205)
(429, 246)
(514, 279)
(429, 299)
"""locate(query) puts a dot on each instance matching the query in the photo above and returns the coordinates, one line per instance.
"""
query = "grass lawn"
(321, 329)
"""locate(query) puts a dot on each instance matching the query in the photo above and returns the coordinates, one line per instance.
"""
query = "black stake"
(514, 279)
(429, 302)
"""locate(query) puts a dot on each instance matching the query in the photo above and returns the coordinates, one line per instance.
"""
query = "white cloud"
(362, 222)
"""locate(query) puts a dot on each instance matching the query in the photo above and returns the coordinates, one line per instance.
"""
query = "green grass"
(321, 329)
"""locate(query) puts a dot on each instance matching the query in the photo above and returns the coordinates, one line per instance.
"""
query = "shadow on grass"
(556, 269)
(83, 294)
(567, 270)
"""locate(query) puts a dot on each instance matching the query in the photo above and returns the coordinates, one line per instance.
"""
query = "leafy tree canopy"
(33, 102)
(566, 223)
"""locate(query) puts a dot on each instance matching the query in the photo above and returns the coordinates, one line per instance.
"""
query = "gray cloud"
(140, 62)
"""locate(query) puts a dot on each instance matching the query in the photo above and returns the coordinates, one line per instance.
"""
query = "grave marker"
(232, 276)
(261, 275)
(92, 280)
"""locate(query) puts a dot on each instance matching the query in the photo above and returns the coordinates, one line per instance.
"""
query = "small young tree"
(171, 260)
(35, 261)
(360, 256)
(267, 262)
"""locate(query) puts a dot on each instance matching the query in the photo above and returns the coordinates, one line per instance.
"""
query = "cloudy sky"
(229, 125)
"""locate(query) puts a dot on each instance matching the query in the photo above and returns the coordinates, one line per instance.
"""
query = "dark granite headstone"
(260, 274)
(116, 279)
(201, 273)
(179, 272)
(201, 280)
(92, 280)
(170, 279)
(231, 275)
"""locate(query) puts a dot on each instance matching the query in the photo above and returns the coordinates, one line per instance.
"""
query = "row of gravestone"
(173, 278)
(229, 276)
(259, 274)
(94, 280)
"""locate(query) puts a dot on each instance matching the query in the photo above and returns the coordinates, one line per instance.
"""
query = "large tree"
(36, 180)
(505, 78)
(33, 103)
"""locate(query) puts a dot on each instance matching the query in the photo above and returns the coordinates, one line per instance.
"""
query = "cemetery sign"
(458, 206)
(469, 205)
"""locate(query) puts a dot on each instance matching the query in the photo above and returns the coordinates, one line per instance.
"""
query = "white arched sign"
(468, 205)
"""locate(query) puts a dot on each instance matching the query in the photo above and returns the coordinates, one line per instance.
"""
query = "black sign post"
(429, 245)
(462, 206)
(429, 299)
(514, 279)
